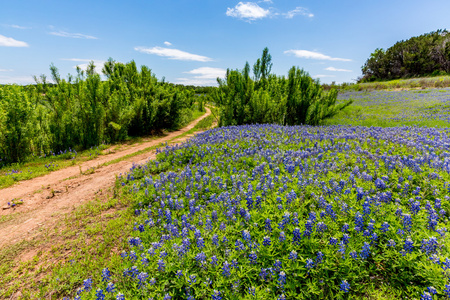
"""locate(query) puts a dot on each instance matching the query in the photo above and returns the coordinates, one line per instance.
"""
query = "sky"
(193, 42)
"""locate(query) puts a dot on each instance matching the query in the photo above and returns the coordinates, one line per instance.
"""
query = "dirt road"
(48, 198)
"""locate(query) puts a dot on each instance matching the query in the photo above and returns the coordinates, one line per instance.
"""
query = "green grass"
(411, 83)
(88, 237)
(428, 107)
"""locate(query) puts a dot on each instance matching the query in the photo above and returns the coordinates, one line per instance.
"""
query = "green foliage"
(15, 132)
(85, 111)
(423, 55)
(268, 98)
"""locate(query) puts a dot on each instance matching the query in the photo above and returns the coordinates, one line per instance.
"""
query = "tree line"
(84, 111)
(268, 98)
(427, 54)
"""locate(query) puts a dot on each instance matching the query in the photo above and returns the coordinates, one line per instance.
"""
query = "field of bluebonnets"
(293, 212)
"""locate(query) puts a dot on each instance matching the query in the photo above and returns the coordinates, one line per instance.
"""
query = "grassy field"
(424, 107)
(411, 83)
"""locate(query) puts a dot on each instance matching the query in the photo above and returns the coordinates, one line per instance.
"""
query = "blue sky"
(194, 41)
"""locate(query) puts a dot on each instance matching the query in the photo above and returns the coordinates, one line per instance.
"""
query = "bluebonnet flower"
(309, 264)
(142, 277)
(345, 227)
(365, 252)
(263, 273)
(345, 238)
(216, 295)
(100, 295)
(282, 237)
(253, 257)
(333, 241)
(297, 235)
(192, 279)
(447, 290)
(106, 275)
(215, 240)
(167, 297)
(251, 290)
(268, 225)
(120, 296)
(426, 296)
(344, 286)
(354, 255)
(226, 269)
(391, 243)
(385, 227)
(214, 260)
(200, 243)
(309, 225)
(110, 287)
(407, 222)
(282, 279)
(408, 246)
(200, 258)
(179, 273)
(431, 290)
(321, 227)
(266, 241)
(87, 284)
(359, 222)
(429, 246)
(293, 255)
(246, 236)
(239, 245)
(319, 257)
(234, 263)
(277, 265)
(161, 265)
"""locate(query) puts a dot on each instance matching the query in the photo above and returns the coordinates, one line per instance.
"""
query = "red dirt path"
(48, 198)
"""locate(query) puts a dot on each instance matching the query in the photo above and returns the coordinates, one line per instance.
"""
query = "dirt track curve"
(48, 198)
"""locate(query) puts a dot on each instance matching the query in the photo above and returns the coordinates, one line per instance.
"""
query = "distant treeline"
(83, 111)
(428, 54)
(268, 98)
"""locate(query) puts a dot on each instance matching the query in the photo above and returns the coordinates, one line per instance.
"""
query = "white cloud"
(208, 73)
(6, 70)
(17, 26)
(73, 35)
(333, 69)
(314, 55)
(323, 76)
(10, 42)
(196, 81)
(173, 54)
(167, 43)
(16, 79)
(298, 11)
(98, 63)
(249, 11)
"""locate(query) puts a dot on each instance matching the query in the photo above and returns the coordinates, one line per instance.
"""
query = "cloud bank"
(333, 69)
(10, 42)
(314, 55)
(248, 11)
(173, 54)
(73, 35)
(298, 11)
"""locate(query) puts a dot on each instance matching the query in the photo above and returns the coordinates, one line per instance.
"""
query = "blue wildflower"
(344, 286)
